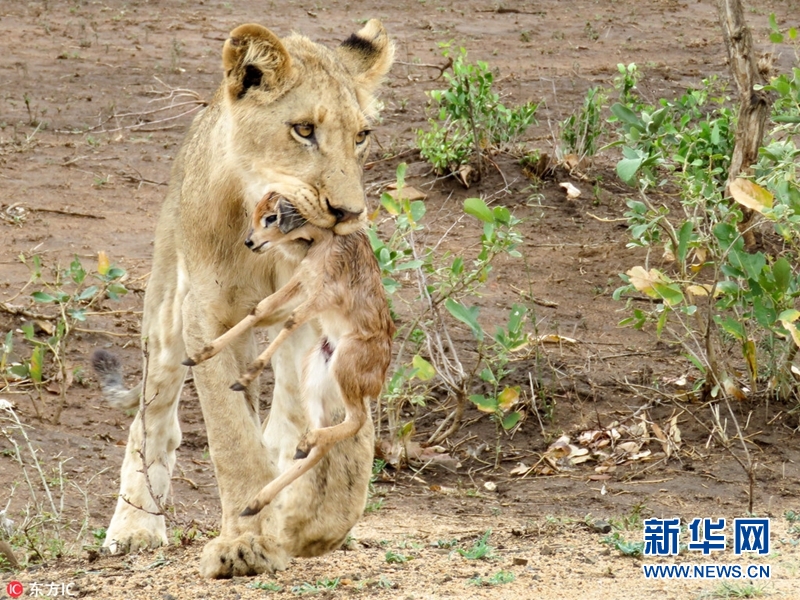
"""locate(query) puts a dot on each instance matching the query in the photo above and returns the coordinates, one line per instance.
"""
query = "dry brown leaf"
(551, 338)
(520, 469)
(605, 468)
(399, 452)
(792, 329)
(46, 326)
(572, 191)
(700, 290)
(674, 432)
(628, 448)
(405, 193)
(466, 175)
(644, 281)
(445, 491)
(750, 194)
(560, 448)
(732, 389)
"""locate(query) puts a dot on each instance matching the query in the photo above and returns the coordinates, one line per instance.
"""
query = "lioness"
(291, 117)
(339, 282)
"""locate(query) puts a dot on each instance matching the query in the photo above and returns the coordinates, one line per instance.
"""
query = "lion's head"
(298, 113)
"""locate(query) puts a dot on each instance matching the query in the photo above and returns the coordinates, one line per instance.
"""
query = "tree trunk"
(754, 106)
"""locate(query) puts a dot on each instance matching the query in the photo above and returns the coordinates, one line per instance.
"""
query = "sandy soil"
(88, 167)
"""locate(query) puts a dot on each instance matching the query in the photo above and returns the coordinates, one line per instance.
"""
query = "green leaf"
(662, 322)
(510, 420)
(20, 371)
(37, 360)
(115, 290)
(76, 271)
(752, 264)
(417, 210)
(773, 22)
(405, 431)
(727, 235)
(684, 237)
(87, 293)
(389, 203)
(400, 173)
(78, 314)
(782, 271)
(627, 168)
(425, 370)
(733, 327)
(626, 115)
(114, 273)
(694, 360)
(671, 293)
(42, 297)
(776, 38)
(483, 403)
(789, 315)
(501, 215)
(478, 209)
(466, 315)
(390, 285)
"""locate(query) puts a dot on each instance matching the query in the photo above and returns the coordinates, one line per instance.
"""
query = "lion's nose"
(343, 216)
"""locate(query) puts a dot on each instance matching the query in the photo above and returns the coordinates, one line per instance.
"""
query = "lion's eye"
(268, 220)
(362, 136)
(304, 130)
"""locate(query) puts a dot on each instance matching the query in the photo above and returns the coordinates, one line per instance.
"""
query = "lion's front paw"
(246, 555)
(133, 541)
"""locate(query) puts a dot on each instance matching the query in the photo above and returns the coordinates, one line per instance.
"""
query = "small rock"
(600, 526)
(520, 562)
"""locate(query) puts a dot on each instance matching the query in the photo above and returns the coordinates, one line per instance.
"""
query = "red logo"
(14, 589)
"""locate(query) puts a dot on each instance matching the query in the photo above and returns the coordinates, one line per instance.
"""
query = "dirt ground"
(83, 166)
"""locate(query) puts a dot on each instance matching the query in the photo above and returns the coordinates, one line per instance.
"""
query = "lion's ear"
(254, 57)
(368, 55)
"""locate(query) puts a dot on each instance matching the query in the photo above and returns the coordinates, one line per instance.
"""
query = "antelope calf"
(338, 283)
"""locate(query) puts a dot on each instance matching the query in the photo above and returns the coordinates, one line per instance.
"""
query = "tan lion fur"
(290, 117)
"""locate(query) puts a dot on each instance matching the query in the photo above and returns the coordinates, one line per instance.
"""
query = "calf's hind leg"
(300, 315)
(317, 381)
(268, 312)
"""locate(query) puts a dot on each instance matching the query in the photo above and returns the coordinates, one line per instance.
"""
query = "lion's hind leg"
(318, 443)
(319, 381)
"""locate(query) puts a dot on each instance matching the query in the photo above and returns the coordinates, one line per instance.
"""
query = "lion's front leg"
(241, 462)
(136, 523)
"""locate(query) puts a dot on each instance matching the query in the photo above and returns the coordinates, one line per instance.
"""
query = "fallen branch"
(69, 213)
(18, 311)
(441, 68)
